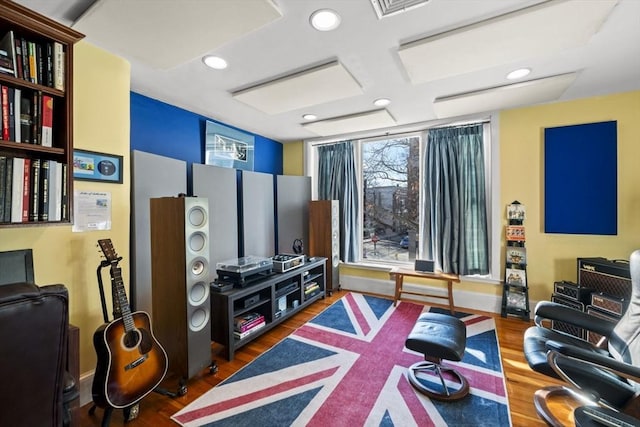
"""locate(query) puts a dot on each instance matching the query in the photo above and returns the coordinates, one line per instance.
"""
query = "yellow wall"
(552, 257)
(293, 158)
(101, 123)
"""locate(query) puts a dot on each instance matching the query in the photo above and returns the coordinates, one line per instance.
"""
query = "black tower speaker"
(180, 274)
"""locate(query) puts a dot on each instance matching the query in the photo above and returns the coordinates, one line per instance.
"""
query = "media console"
(276, 298)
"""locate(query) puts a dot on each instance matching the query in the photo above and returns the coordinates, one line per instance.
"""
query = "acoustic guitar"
(131, 362)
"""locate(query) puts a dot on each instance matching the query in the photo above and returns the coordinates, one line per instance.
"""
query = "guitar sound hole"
(131, 339)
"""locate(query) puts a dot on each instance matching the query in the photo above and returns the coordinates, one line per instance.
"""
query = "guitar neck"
(118, 284)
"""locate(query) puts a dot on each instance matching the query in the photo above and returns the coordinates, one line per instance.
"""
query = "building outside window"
(390, 177)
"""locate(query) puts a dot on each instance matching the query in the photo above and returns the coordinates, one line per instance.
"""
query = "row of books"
(27, 116)
(32, 190)
(247, 324)
(311, 289)
(39, 63)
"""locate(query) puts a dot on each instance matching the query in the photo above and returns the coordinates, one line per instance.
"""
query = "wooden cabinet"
(275, 299)
(28, 98)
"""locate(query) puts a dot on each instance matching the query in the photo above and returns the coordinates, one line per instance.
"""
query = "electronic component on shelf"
(286, 262)
(243, 271)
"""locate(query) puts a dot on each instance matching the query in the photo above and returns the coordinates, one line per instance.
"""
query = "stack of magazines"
(247, 324)
(311, 289)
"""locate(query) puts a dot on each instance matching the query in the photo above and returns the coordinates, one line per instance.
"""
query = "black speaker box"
(573, 291)
(603, 275)
(609, 303)
(592, 337)
(563, 326)
(180, 274)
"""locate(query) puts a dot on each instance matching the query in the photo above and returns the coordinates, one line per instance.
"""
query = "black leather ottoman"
(439, 337)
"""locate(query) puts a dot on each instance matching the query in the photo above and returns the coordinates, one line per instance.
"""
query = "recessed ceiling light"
(324, 20)
(215, 62)
(382, 102)
(309, 117)
(518, 74)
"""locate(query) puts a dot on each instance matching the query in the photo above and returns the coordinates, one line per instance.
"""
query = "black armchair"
(34, 324)
(607, 373)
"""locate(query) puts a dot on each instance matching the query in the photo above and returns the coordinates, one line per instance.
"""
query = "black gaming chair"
(607, 373)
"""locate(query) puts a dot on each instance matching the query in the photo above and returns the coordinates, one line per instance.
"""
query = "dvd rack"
(515, 290)
(275, 298)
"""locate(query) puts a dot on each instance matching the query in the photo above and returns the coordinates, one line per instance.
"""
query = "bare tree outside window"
(391, 196)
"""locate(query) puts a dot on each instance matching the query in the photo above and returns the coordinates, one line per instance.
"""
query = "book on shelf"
(47, 121)
(58, 66)
(26, 190)
(4, 93)
(26, 71)
(3, 177)
(8, 189)
(246, 326)
(49, 64)
(26, 120)
(17, 189)
(311, 287)
(55, 182)
(7, 54)
(34, 200)
(17, 111)
(12, 114)
(64, 203)
(18, 60)
(35, 118)
(40, 63)
(33, 66)
(45, 195)
(242, 323)
(257, 327)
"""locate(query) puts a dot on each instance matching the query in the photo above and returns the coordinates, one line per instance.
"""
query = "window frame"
(492, 183)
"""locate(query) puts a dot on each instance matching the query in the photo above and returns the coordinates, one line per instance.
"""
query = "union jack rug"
(348, 367)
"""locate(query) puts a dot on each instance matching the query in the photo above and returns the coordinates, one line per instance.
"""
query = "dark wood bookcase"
(44, 32)
(276, 298)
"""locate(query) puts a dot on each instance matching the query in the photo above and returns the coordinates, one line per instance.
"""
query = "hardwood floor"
(156, 409)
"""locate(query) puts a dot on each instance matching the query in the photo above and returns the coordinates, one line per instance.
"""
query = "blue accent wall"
(166, 130)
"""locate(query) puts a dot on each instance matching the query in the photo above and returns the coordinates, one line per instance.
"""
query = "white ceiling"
(443, 59)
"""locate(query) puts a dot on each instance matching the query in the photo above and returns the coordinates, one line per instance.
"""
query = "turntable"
(243, 271)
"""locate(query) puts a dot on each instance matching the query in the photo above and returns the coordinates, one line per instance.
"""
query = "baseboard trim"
(86, 381)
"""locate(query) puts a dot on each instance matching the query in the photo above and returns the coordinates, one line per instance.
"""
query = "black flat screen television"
(16, 266)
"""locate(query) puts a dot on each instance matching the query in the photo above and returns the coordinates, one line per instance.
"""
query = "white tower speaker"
(324, 237)
(180, 272)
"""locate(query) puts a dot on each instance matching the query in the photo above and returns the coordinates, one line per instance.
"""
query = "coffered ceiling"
(433, 59)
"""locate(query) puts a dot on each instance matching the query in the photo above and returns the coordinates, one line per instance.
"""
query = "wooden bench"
(400, 273)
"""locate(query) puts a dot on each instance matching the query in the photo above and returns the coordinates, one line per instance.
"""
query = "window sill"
(388, 267)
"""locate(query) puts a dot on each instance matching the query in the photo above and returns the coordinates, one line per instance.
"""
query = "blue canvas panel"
(580, 179)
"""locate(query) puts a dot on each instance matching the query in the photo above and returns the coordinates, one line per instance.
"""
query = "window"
(390, 214)
(396, 216)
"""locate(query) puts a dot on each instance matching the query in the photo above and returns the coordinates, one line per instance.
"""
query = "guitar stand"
(130, 412)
